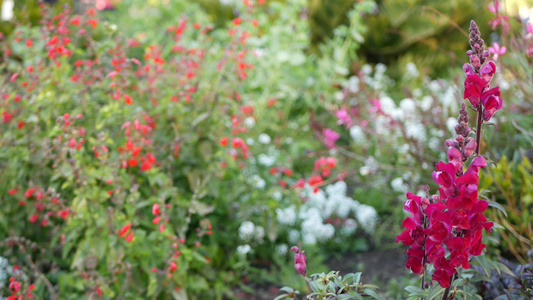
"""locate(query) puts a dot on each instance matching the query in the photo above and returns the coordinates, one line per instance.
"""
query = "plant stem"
(478, 127)
(425, 257)
(447, 290)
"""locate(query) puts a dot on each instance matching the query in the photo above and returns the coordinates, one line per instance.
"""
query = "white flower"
(450, 124)
(357, 134)
(246, 230)
(277, 195)
(244, 249)
(309, 239)
(408, 105)
(367, 217)
(286, 216)
(338, 96)
(264, 138)
(411, 71)
(366, 69)
(258, 182)
(349, 226)
(364, 170)
(434, 86)
(381, 68)
(7, 10)
(282, 249)
(415, 130)
(353, 84)
(417, 93)
(338, 188)
(387, 105)
(266, 160)
(250, 141)
(294, 236)
(434, 143)
(448, 98)
(259, 234)
(249, 122)
(398, 185)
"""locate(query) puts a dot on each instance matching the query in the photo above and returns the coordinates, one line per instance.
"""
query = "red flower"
(127, 99)
(224, 141)
(492, 102)
(442, 277)
(155, 209)
(125, 229)
(473, 87)
(29, 193)
(129, 238)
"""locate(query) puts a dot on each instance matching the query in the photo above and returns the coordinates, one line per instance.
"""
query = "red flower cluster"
(138, 141)
(452, 221)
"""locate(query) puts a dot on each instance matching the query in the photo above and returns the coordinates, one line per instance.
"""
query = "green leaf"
(372, 293)
(484, 263)
(201, 208)
(498, 206)
(414, 289)
(435, 291)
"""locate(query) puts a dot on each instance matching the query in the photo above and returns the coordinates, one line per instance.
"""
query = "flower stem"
(447, 290)
(478, 128)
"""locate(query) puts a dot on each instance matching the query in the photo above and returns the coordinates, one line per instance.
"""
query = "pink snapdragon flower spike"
(299, 260)
(496, 50)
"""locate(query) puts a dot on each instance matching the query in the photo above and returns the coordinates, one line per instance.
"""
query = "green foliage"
(512, 188)
(334, 286)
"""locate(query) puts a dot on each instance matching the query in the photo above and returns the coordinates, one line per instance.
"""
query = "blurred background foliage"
(429, 33)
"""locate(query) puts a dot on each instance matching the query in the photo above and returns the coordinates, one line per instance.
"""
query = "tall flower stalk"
(445, 229)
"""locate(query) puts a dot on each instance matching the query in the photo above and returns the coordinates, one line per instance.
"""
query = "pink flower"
(330, 137)
(299, 260)
(497, 50)
(492, 102)
(344, 118)
(529, 28)
(494, 9)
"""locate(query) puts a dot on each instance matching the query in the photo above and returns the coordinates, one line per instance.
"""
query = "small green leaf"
(498, 206)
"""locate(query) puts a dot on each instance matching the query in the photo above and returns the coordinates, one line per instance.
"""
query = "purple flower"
(330, 137)
(299, 260)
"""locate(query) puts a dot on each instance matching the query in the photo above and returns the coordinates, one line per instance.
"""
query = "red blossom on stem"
(454, 219)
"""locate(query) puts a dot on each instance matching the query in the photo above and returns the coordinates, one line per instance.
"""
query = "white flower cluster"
(5, 271)
(440, 98)
(248, 232)
(323, 206)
